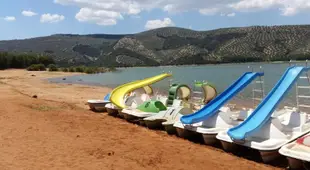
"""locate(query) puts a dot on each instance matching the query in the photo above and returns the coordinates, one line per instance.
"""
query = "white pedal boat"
(173, 114)
(284, 126)
(131, 101)
(133, 114)
(215, 116)
(297, 153)
(224, 119)
(99, 105)
(268, 129)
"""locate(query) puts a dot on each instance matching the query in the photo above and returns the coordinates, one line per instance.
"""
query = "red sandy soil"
(57, 131)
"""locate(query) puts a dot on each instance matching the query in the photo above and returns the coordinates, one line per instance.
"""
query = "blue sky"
(31, 18)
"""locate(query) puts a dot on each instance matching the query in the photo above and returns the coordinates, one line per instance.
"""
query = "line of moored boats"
(200, 111)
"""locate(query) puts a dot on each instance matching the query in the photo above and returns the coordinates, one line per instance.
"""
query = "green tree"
(64, 69)
(80, 69)
(3, 62)
(46, 60)
(36, 67)
(71, 69)
(52, 67)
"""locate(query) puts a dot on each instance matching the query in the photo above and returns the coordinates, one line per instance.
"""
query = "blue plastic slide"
(212, 108)
(107, 97)
(265, 109)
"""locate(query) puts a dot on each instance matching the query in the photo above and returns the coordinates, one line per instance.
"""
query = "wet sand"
(57, 131)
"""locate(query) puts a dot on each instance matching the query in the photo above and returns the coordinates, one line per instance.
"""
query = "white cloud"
(209, 11)
(51, 18)
(286, 7)
(9, 18)
(253, 4)
(152, 24)
(288, 11)
(135, 7)
(108, 12)
(28, 13)
(100, 17)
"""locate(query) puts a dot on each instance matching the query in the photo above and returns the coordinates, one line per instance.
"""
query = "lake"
(219, 75)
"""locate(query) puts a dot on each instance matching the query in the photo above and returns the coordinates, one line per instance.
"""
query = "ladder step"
(303, 77)
(301, 105)
(308, 97)
(257, 90)
(259, 81)
(303, 87)
(198, 98)
(259, 99)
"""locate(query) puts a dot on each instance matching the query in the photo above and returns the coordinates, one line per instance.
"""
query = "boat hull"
(209, 139)
(130, 118)
(96, 107)
(229, 147)
(269, 156)
(190, 135)
(170, 129)
(295, 163)
(121, 114)
(154, 124)
(112, 112)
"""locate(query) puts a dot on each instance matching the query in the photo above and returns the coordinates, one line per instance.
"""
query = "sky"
(21, 19)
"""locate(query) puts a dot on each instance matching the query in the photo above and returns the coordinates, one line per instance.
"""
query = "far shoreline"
(212, 64)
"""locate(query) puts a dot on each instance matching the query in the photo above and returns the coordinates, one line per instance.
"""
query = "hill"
(171, 46)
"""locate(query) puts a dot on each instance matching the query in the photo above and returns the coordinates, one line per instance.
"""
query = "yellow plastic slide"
(118, 94)
(148, 89)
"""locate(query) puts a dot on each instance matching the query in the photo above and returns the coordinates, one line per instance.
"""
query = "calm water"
(220, 75)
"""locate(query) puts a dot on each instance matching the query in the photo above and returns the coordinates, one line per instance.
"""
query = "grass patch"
(44, 108)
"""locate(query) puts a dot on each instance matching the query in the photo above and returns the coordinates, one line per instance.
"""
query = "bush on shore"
(52, 67)
(36, 67)
(71, 69)
(87, 70)
(64, 69)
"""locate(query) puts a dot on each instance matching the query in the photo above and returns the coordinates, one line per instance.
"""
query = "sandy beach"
(56, 130)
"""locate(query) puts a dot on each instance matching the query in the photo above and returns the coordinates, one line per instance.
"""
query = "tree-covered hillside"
(171, 46)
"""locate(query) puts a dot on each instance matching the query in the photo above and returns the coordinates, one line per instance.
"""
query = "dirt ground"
(57, 131)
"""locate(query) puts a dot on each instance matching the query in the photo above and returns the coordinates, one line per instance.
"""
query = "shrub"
(52, 67)
(112, 69)
(80, 69)
(71, 69)
(87, 70)
(64, 69)
(90, 70)
(36, 67)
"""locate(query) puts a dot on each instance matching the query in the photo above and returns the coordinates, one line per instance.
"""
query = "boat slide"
(113, 109)
(214, 116)
(101, 103)
(268, 129)
(132, 99)
(118, 95)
